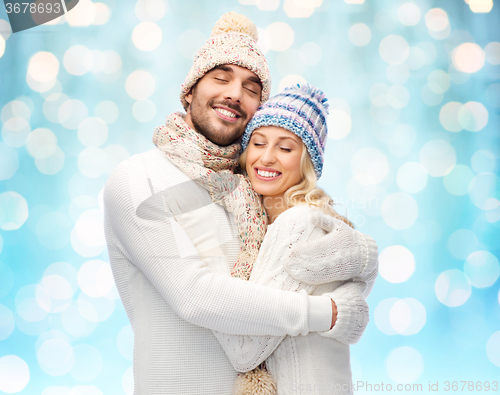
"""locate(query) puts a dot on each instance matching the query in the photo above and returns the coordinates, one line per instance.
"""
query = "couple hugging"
(226, 255)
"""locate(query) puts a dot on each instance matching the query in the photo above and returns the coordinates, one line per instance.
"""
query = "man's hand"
(334, 313)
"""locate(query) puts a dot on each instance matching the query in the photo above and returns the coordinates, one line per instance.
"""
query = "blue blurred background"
(412, 159)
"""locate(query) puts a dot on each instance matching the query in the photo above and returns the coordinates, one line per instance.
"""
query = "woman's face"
(273, 160)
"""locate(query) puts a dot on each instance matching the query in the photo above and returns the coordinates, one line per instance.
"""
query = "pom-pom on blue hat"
(301, 109)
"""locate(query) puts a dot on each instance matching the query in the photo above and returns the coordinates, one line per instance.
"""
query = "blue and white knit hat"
(301, 110)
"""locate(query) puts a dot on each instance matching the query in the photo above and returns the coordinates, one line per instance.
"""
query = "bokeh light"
(462, 243)
(482, 269)
(396, 264)
(468, 57)
(41, 143)
(56, 357)
(481, 188)
(438, 24)
(480, 6)
(15, 131)
(394, 49)
(14, 374)
(125, 342)
(360, 34)
(398, 73)
(493, 348)
(7, 323)
(473, 116)
(88, 363)
(51, 164)
(310, 53)
(151, 10)
(401, 142)
(369, 166)
(93, 132)
(2, 46)
(458, 180)
(140, 85)
(147, 36)
(71, 113)
(407, 316)
(189, 42)
(128, 381)
(95, 278)
(9, 161)
(438, 157)
(87, 237)
(483, 161)
(107, 110)
(412, 177)
(6, 279)
(281, 36)
(13, 210)
(409, 14)
(452, 288)
(399, 210)
(78, 60)
(404, 365)
(492, 53)
(144, 110)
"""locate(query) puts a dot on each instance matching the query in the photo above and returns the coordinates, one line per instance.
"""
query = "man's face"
(222, 103)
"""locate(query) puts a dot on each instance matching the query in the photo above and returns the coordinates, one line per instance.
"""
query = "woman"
(308, 247)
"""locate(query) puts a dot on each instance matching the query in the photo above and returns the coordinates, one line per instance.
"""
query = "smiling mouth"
(226, 114)
(267, 175)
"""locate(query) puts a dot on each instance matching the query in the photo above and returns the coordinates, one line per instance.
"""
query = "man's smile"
(226, 113)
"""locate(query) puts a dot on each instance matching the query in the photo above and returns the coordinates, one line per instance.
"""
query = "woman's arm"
(338, 253)
(292, 232)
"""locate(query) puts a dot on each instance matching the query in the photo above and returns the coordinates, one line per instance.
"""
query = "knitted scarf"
(212, 167)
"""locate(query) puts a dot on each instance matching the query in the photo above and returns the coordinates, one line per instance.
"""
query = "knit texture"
(211, 166)
(170, 295)
(233, 41)
(347, 273)
(301, 110)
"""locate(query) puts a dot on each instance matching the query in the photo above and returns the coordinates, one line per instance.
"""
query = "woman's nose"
(268, 156)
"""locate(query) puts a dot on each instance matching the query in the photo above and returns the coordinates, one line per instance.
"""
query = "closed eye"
(251, 90)
(286, 149)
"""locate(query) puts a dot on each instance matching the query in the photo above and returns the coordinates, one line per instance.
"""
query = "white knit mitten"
(334, 252)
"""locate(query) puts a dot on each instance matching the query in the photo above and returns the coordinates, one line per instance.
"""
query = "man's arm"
(159, 247)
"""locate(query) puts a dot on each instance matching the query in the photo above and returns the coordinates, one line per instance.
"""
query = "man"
(172, 297)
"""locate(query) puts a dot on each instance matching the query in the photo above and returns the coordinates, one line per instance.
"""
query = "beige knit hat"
(233, 41)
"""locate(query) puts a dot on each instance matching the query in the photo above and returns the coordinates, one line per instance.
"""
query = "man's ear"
(189, 96)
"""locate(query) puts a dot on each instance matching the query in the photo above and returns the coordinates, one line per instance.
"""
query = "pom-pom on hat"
(233, 41)
(301, 110)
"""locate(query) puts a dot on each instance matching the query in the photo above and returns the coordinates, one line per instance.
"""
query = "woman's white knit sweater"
(171, 296)
(306, 251)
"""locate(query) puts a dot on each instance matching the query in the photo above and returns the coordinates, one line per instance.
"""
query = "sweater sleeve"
(142, 227)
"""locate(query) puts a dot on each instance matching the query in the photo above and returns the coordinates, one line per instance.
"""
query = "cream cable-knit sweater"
(171, 296)
(306, 251)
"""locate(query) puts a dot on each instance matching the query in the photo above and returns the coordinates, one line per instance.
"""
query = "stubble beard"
(220, 135)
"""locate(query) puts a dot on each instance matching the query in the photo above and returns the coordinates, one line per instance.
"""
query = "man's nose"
(234, 91)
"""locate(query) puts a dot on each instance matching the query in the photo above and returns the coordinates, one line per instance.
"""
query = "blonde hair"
(306, 191)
